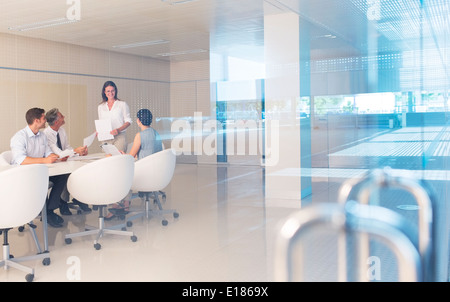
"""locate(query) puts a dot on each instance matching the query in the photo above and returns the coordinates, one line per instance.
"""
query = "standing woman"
(117, 112)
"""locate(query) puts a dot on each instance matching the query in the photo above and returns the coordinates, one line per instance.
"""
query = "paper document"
(110, 149)
(103, 128)
(67, 152)
(89, 140)
(87, 157)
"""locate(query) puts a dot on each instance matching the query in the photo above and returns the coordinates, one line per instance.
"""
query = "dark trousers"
(59, 183)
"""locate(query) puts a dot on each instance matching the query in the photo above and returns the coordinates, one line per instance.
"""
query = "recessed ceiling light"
(326, 36)
(184, 52)
(140, 44)
(42, 24)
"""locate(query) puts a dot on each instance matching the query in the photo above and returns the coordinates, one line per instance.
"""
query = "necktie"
(58, 141)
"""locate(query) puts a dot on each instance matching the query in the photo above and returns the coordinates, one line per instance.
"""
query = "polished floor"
(227, 230)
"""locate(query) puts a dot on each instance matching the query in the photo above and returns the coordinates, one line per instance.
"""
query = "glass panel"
(387, 89)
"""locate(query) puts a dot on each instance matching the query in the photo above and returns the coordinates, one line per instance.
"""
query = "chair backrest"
(154, 172)
(23, 191)
(104, 181)
(6, 158)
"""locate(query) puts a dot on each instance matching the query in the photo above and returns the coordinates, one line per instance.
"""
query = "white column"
(282, 89)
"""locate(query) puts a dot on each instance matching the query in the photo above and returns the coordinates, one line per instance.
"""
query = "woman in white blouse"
(117, 112)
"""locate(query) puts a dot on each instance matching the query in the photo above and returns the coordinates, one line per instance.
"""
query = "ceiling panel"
(338, 28)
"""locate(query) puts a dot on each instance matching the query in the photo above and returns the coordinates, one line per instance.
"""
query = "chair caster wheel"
(46, 261)
(21, 228)
(29, 277)
(11, 256)
(68, 240)
(133, 238)
(175, 215)
(164, 222)
(129, 223)
(122, 217)
(97, 246)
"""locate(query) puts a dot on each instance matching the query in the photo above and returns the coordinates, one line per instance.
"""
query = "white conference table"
(67, 167)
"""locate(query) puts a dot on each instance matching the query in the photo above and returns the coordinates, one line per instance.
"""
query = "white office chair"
(23, 191)
(161, 193)
(100, 183)
(6, 158)
(152, 174)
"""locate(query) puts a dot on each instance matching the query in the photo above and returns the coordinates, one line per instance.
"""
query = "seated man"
(58, 142)
(29, 146)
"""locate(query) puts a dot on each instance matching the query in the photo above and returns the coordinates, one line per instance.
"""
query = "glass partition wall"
(388, 104)
(381, 100)
(348, 87)
(372, 87)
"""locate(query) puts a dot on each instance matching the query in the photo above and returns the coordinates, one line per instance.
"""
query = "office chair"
(161, 193)
(19, 206)
(152, 174)
(5, 160)
(101, 183)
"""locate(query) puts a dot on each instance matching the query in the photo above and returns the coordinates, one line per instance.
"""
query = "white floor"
(225, 232)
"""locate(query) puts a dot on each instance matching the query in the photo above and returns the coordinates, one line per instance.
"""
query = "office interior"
(313, 93)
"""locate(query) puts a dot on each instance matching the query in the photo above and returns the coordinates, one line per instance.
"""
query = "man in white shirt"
(58, 142)
(29, 146)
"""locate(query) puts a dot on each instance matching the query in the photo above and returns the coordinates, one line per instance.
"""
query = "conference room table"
(73, 163)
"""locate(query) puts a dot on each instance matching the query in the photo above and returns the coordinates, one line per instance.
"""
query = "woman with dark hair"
(146, 142)
(118, 112)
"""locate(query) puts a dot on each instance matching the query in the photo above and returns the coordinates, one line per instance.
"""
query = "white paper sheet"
(67, 152)
(110, 149)
(87, 157)
(103, 128)
(87, 141)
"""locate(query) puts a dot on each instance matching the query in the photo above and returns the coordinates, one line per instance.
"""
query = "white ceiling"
(229, 26)
(104, 24)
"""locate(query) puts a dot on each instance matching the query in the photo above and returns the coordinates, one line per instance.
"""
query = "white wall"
(45, 74)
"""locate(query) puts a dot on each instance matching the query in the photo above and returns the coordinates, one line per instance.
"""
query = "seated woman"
(146, 142)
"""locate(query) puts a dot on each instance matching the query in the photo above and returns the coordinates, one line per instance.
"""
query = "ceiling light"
(140, 44)
(175, 2)
(184, 52)
(326, 36)
(42, 24)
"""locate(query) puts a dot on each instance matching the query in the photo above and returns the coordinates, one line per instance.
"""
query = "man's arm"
(19, 151)
(81, 150)
(40, 160)
(51, 140)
